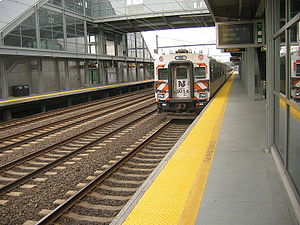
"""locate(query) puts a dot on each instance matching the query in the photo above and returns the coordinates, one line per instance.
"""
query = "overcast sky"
(185, 36)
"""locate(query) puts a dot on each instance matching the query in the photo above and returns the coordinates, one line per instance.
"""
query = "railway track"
(16, 143)
(76, 108)
(21, 170)
(99, 201)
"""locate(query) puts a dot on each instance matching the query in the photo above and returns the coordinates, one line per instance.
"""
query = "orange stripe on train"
(166, 87)
(197, 87)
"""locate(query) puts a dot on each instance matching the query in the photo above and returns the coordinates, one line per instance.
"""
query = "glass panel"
(28, 31)
(280, 112)
(12, 40)
(51, 30)
(46, 34)
(30, 21)
(200, 72)
(56, 2)
(110, 48)
(29, 42)
(163, 74)
(16, 31)
(103, 8)
(295, 61)
(71, 46)
(282, 13)
(294, 7)
(23, 35)
(181, 73)
(88, 8)
(280, 66)
(294, 147)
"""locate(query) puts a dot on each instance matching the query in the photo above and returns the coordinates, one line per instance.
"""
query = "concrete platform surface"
(244, 187)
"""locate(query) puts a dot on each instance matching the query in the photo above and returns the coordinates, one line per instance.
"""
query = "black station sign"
(235, 36)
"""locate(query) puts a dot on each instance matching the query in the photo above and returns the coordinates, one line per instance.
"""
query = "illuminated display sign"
(240, 34)
(234, 49)
(236, 34)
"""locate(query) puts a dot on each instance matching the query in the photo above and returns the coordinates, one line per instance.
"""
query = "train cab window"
(298, 70)
(200, 72)
(181, 73)
(163, 74)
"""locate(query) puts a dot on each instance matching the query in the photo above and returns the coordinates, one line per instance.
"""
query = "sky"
(186, 36)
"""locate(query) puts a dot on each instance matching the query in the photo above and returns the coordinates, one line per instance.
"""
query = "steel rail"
(25, 178)
(49, 114)
(58, 211)
(4, 148)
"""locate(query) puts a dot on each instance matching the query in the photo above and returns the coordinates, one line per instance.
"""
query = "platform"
(57, 94)
(209, 179)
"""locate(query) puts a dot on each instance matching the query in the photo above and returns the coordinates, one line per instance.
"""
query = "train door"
(181, 81)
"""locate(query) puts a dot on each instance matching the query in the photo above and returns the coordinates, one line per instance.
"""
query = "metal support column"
(40, 76)
(3, 79)
(244, 70)
(250, 73)
(4, 88)
(270, 84)
(67, 74)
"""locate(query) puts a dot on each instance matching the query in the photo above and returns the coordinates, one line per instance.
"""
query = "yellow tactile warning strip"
(78, 91)
(175, 195)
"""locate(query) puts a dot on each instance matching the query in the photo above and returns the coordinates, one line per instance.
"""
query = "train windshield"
(181, 73)
(297, 70)
(200, 72)
(163, 74)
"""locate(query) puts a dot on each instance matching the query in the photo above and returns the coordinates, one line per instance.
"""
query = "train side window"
(163, 74)
(181, 73)
(200, 72)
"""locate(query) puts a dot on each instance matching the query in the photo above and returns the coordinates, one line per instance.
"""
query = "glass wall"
(57, 31)
(294, 59)
(51, 30)
(131, 45)
(139, 45)
(294, 146)
(107, 8)
(75, 35)
(286, 37)
(56, 2)
(23, 35)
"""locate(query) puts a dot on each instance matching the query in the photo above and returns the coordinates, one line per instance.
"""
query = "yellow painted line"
(295, 113)
(175, 195)
(78, 91)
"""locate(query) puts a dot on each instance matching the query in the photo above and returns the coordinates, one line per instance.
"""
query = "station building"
(54, 46)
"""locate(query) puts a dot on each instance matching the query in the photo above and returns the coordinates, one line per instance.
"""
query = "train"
(295, 75)
(186, 81)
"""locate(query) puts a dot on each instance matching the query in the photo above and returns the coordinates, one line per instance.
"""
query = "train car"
(186, 81)
(295, 76)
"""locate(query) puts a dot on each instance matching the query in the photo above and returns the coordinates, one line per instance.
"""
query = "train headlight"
(297, 93)
(161, 95)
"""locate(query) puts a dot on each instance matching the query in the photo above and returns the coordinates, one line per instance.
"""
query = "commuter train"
(295, 76)
(185, 81)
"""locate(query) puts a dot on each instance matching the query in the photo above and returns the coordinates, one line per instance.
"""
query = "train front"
(182, 82)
